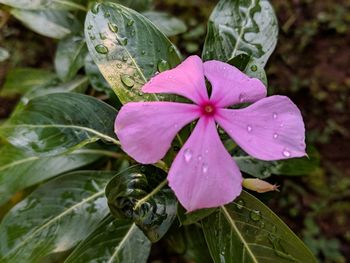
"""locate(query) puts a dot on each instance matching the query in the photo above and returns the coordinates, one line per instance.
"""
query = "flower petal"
(203, 174)
(187, 80)
(230, 86)
(270, 129)
(146, 129)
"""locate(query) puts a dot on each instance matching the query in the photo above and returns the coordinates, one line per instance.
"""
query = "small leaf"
(166, 23)
(248, 231)
(236, 27)
(127, 48)
(55, 217)
(19, 170)
(43, 4)
(138, 194)
(114, 241)
(70, 56)
(50, 23)
(57, 123)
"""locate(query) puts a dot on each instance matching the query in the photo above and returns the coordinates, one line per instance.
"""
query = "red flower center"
(208, 109)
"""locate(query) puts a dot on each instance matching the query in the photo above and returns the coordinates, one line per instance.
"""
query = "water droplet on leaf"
(123, 41)
(127, 80)
(95, 8)
(130, 22)
(102, 49)
(253, 68)
(255, 215)
(163, 65)
(239, 204)
(113, 27)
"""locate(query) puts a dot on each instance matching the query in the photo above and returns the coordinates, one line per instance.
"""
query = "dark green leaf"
(54, 218)
(19, 170)
(248, 231)
(43, 4)
(61, 122)
(70, 56)
(193, 217)
(166, 23)
(128, 49)
(138, 194)
(235, 27)
(51, 23)
(114, 241)
(21, 80)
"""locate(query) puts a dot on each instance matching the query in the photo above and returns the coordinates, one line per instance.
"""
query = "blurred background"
(311, 65)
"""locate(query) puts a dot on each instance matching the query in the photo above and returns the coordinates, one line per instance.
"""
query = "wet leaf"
(127, 48)
(61, 122)
(248, 231)
(114, 241)
(138, 5)
(140, 194)
(54, 218)
(241, 27)
(43, 4)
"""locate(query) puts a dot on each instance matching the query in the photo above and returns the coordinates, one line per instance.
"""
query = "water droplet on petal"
(163, 65)
(102, 49)
(249, 128)
(188, 155)
(274, 115)
(113, 27)
(205, 168)
(286, 153)
(241, 97)
(127, 80)
(255, 215)
(253, 68)
(199, 157)
(275, 135)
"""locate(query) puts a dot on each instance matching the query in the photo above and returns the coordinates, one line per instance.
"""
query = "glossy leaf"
(138, 5)
(21, 80)
(50, 23)
(70, 56)
(128, 49)
(19, 170)
(193, 217)
(235, 27)
(54, 218)
(42, 4)
(166, 23)
(58, 123)
(139, 194)
(114, 241)
(248, 231)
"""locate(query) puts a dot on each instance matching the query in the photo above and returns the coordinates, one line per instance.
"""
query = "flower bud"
(259, 186)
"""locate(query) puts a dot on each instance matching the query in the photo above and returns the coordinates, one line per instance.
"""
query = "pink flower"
(203, 173)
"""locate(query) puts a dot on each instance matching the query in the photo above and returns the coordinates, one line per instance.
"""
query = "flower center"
(208, 109)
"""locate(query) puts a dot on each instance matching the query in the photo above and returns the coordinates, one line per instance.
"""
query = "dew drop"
(188, 155)
(241, 97)
(163, 65)
(171, 49)
(286, 153)
(127, 80)
(274, 115)
(89, 27)
(143, 52)
(102, 49)
(205, 168)
(119, 65)
(254, 68)
(102, 36)
(199, 157)
(249, 128)
(95, 8)
(239, 204)
(123, 41)
(130, 22)
(275, 135)
(113, 27)
(106, 15)
(92, 37)
(125, 58)
(255, 215)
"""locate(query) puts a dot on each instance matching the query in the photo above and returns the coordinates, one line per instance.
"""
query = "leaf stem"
(155, 190)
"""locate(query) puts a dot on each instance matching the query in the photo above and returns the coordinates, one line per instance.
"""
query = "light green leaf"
(19, 170)
(70, 56)
(51, 23)
(54, 218)
(43, 4)
(60, 122)
(248, 231)
(166, 23)
(128, 49)
(138, 5)
(235, 27)
(114, 241)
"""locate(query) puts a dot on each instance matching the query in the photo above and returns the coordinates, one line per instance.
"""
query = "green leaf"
(128, 49)
(138, 194)
(248, 231)
(42, 4)
(138, 5)
(235, 27)
(166, 23)
(19, 170)
(114, 241)
(51, 23)
(96, 79)
(54, 218)
(70, 56)
(21, 80)
(58, 123)
(193, 217)
(264, 169)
